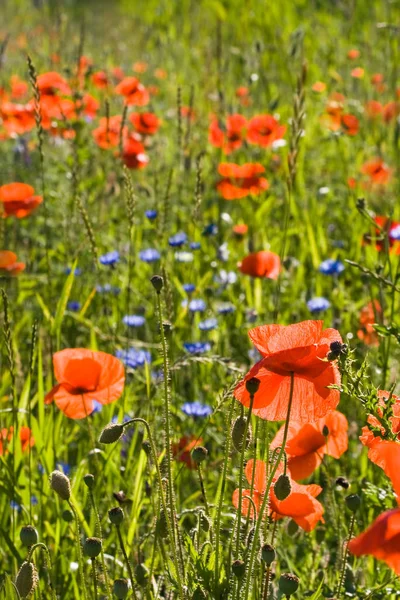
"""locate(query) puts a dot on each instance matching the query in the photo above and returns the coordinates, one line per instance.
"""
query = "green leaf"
(63, 301)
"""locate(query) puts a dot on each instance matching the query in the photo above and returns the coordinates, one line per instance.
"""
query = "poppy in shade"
(100, 79)
(241, 181)
(319, 87)
(300, 349)
(261, 264)
(133, 91)
(377, 171)
(369, 315)
(229, 137)
(84, 376)
(25, 437)
(18, 200)
(9, 264)
(145, 123)
(307, 444)
(300, 505)
(353, 54)
(263, 130)
(357, 73)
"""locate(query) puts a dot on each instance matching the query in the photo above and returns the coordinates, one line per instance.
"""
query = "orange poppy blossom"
(242, 93)
(182, 450)
(100, 79)
(145, 123)
(263, 130)
(16, 119)
(133, 153)
(306, 443)
(107, 134)
(9, 264)
(377, 171)
(25, 436)
(84, 376)
(18, 199)
(301, 504)
(319, 87)
(300, 349)
(353, 54)
(240, 181)
(368, 316)
(230, 136)
(349, 124)
(52, 82)
(357, 73)
(19, 88)
(261, 264)
(240, 230)
(382, 539)
(133, 91)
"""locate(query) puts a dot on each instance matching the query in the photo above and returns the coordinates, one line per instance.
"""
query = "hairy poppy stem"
(344, 559)
(128, 564)
(250, 565)
(78, 542)
(94, 575)
(100, 531)
(203, 492)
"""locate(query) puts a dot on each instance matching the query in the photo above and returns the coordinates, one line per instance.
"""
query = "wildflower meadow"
(199, 299)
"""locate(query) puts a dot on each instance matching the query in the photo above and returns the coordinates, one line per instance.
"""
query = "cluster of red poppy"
(261, 130)
(25, 437)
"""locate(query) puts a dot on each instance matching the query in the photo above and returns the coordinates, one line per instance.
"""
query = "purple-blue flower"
(149, 255)
(197, 305)
(189, 287)
(134, 320)
(151, 214)
(318, 304)
(110, 259)
(226, 308)
(208, 324)
(133, 358)
(195, 245)
(177, 240)
(395, 233)
(197, 347)
(330, 266)
(196, 409)
(74, 306)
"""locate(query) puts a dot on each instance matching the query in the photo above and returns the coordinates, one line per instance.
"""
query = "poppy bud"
(288, 584)
(282, 487)
(111, 433)
(89, 480)
(68, 516)
(252, 385)
(116, 515)
(121, 588)
(141, 574)
(361, 204)
(239, 568)
(60, 484)
(157, 283)
(162, 525)
(92, 547)
(237, 433)
(28, 535)
(343, 483)
(353, 502)
(205, 522)
(199, 594)
(199, 454)
(268, 554)
(146, 447)
(27, 579)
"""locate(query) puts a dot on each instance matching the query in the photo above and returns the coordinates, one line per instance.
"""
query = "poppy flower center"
(82, 375)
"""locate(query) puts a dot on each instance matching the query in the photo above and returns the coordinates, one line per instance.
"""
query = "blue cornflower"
(110, 259)
(226, 308)
(77, 272)
(178, 239)
(97, 407)
(151, 214)
(196, 409)
(184, 257)
(226, 277)
(34, 500)
(15, 506)
(189, 287)
(64, 467)
(133, 358)
(197, 305)
(195, 245)
(318, 304)
(210, 229)
(108, 289)
(330, 266)
(134, 320)
(208, 324)
(149, 255)
(197, 347)
(395, 233)
(73, 306)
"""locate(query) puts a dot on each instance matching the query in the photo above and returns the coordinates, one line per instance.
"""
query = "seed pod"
(342, 481)
(60, 484)
(92, 547)
(268, 554)
(288, 584)
(26, 579)
(252, 385)
(121, 588)
(162, 525)
(68, 516)
(141, 574)
(116, 515)
(111, 433)
(199, 454)
(237, 433)
(89, 480)
(282, 487)
(28, 535)
(239, 568)
(157, 282)
(353, 502)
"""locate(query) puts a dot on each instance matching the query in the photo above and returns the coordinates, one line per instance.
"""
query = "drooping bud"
(199, 454)
(111, 433)
(268, 554)
(92, 547)
(237, 433)
(239, 568)
(60, 484)
(353, 502)
(27, 579)
(28, 535)
(116, 515)
(157, 283)
(141, 574)
(121, 588)
(282, 487)
(288, 584)
(252, 385)
(146, 447)
(89, 480)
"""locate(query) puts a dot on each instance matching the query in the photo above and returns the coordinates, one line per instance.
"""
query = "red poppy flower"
(9, 264)
(377, 171)
(261, 264)
(52, 82)
(107, 134)
(133, 154)
(100, 79)
(229, 137)
(388, 230)
(357, 73)
(350, 124)
(182, 450)
(241, 181)
(145, 123)
(300, 349)
(373, 109)
(84, 376)
(134, 92)
(390, 111)
(117, 73)
(368, 316)
(88, 105)
(300, 505)
(17, 119)
(188, 113)
(353, 54)
(263, 130)
(240, 230)
(140, 67)
(160, 74)
(18, 199)
(25, 436)
(319, 87)
(306, 444)
(19, 88)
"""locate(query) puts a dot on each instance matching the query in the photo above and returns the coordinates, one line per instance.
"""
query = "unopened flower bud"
(27, 579)
(237, 433)
(239, 568)
(141, 574)
(268, 554)
(89, 480)
(67, 516)
(121, 588)
(288, 584)
(60, 484)
(111, 433)
(92, 547)
(116, 515)
(252, 385)
(199, 454)
(282, 487)
(205, 522)
(353, 502)
(157, 283)
(28, 535)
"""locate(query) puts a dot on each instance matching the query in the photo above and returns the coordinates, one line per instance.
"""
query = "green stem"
(344, 559)
(94, 578)
(100, 531)
(128, 564)
(80, 556)
(266, 495)
(203, 492)
(244, 447)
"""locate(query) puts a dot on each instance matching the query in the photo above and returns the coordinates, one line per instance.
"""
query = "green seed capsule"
(237, 433)
(60, 484)
(239, 568)
(27, 579)
(199, 454)
(28, 535)
(282, 487)
(92, 547)
(68, 516)
(288, 584)
(121, 588)
(268, 554)
(116, 515)
(353, 502)
(157, 282)
(89, 480)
